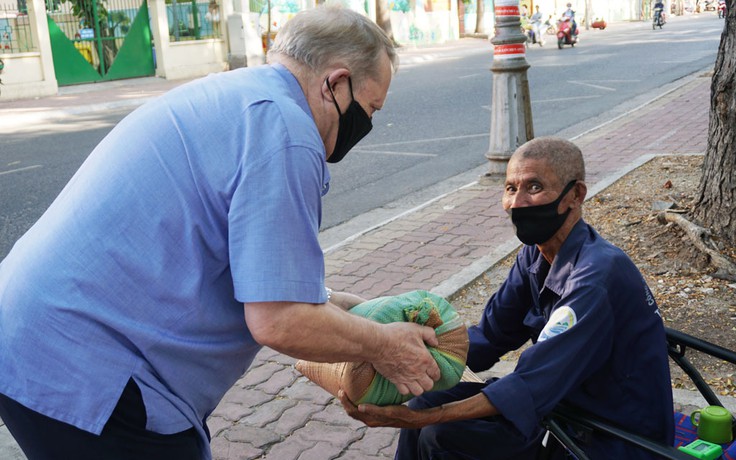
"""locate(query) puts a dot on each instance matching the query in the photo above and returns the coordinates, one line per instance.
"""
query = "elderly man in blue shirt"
(598, 342)
(186, 241)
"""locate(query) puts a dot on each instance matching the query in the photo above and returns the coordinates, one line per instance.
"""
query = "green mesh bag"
(360, 381)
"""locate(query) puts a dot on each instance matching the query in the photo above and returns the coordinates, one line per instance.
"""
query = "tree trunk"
(716, 204)
(479, 10)
(383, 18)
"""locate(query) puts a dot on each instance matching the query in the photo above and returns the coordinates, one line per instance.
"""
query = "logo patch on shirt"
(561, 320)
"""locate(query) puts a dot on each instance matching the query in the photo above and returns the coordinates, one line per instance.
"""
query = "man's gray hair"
(326, 36)
(565, 158)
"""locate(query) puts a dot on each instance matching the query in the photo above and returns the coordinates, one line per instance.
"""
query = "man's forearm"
(322, 333)
(477, 406)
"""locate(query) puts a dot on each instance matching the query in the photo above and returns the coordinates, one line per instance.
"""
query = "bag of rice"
(360, 381)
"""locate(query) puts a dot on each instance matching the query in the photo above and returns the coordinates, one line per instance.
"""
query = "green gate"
(99, 40)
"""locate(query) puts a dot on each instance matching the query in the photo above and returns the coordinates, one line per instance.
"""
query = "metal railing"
(15, 29)
(193, 20)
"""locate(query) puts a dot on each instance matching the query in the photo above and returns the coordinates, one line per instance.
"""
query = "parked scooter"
(721, 8)
(658, 20)
(565, 35)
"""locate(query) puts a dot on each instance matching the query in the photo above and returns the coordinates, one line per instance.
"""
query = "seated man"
(598, 342)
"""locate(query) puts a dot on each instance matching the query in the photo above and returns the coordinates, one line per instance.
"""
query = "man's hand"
(399, 416)
(405, 360)
(476, 406)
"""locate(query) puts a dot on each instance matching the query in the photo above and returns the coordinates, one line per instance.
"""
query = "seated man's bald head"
(565, 158)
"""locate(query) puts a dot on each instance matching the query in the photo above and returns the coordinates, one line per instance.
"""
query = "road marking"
(472, 75)
(422, 141)
(20, 169)
(582, 83)
(563, 99)
(558, 99)
(389, 152)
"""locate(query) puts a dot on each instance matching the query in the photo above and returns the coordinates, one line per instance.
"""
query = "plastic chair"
(677, 345)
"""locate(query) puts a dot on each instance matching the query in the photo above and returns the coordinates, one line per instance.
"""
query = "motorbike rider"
(570, 13)
(537, 24)
(658, 12)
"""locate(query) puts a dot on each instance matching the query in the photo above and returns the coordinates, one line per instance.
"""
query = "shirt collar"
(565, 259)
(295, 89)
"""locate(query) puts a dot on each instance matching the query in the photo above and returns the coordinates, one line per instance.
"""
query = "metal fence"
(15, 29)
(193, 20)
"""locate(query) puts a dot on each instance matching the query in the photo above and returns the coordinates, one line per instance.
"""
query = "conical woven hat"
(360, 381)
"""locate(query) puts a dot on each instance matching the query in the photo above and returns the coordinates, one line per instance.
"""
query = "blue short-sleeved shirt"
(599, 342)
(199, 201)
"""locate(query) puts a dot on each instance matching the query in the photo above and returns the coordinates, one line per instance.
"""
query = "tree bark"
(383, 18)
(716, 203)
(479, 10)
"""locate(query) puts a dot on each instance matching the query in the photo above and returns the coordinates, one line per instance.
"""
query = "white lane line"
(472, 75)
(20, 169)
(422, 141)
(591, 85)
(389, 152)
(562, 99)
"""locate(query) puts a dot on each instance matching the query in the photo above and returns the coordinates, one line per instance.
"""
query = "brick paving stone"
(278, 381)
(233, 412)
(334, 414)
(316, 431)
(217, 424)
(268, 413)
(259, 374)
(250, 398)
(222, 449)
(304, 390)
(258, 437)
(290, 450)
(352, 455)
(295, 417)
(376, 440)
(322, 451)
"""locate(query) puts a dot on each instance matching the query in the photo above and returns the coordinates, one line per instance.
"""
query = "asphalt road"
(432, 134)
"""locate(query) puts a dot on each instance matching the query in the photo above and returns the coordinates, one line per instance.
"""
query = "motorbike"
(710, 5)
(721, 8)
(658, 18)
(565, 35)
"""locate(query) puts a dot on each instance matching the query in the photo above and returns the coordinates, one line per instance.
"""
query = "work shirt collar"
(559, 272)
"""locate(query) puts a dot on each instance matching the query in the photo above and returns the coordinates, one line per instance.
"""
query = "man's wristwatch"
(329, 294)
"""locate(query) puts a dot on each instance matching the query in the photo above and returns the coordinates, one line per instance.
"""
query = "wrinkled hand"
(399, 416)
(405, 361)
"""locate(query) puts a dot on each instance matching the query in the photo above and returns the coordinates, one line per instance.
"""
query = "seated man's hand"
(399, 416)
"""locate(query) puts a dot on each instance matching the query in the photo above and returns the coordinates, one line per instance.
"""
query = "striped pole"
(511, 114)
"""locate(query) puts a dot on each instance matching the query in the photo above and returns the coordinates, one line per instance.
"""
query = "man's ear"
(334, 78)
(581, 190)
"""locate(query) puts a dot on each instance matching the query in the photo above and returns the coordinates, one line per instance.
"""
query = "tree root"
(701, 238)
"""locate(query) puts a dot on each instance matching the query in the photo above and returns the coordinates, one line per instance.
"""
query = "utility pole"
(511, 113)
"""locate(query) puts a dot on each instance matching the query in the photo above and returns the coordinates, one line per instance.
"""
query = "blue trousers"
(490, 438)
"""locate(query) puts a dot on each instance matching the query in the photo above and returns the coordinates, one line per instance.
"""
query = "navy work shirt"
(598, 342)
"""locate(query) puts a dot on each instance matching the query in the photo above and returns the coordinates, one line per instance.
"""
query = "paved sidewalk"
(273, 412)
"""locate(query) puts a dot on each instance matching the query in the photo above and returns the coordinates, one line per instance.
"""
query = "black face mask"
(354, 125)
(537, 224)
